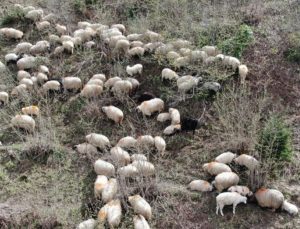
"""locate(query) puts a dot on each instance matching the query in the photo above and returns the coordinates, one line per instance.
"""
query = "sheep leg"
(217, 209)
(221, 210)
(234, 206)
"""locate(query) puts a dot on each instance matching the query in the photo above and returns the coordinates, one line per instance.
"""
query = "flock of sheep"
(33, 76)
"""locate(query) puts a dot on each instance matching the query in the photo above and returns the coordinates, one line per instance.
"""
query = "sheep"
(197, 55)
(225, 158)
(122, 87)
(152, 36)
(83, 24)
(68, 46)
(229, 198)
(243, 71)
(128, 171)
(250, 162)
(19, 90)
(160, 144)
(136, 44)
(102, 215)
(10, 33)
(61, 29)
(91, 91)
(136, 51)
(215, 168)
(185, 51)
(86, 149)
(270, 198)
(54, 39)
(200, 185)
(35, 15)
(138, 157)
(145, 141)
(99, 76)
(181, 61)
(290, 208)
(210, 60)
(104, 168)
(242, 190)
(120, 156)
(127, 142)
(34, 80)
(140, 222)
(172, 55)
(31, 110)
(95, 82)
(40, 47)
(163, 49)
(28, 82)
(134, 36)
(23, 47)
(210, 50)
(28, 8)
(11, 58)
(150, 47)
(175, 116)
(163, 117)
(212, 86)
(64, 38)
(43, 25)
(114, 213)
(110, 190)
(140, 206)
(190, 124)
(24, 122)
(169, 74)
(99, 185)
(134, 82)
(52, 85)
(225, 180)
(113, 113)
(232, 62)
(23, 74)
(113, 40)
(179, 43)
(135, 69)
(111, 81)
(58, 50)
(98, 140)
(151, 106)
(87, 224)
(41, 77)
(89, 44)
(26, 62)
(120, 27)
(4, 97)
(172, 129)
(144, 168)
(71, 83)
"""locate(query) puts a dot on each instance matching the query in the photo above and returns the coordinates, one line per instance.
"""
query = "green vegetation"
(12, 16)
(293, 51)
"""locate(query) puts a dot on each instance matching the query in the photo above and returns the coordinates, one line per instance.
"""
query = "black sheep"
(145, 97)
(190, 124)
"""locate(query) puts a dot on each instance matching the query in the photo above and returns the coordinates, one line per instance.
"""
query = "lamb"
(213, 87)
(229, 198)
(58, 50)
(31, 110)
(98, 140)
(140, 222)
(225, 180)
(140, 206)
(215, 168)
(172, 129)
(243, 71)
(163, 117)
(28, 82)
(111, 81)
(52, 85)
(210, 50)
(99, 185)
(134, 36)
(71, 83)
(198, 55)
(225, 158)
(68, 46)
(145, 141)
(250, 162)
(19, 90)
(269, 198)
(120, 27)
(95, 82)
(24, 122)
(144, 168)
(290, 208)
(152, 36)
(104, 168)
(150, 47)
(23, 47)
(136, 44)
(44, 69)
(128, 171)
(110, 190)
(232, 62)
(11, 33)
(127, 142)
(43, 25)
(179, 43)
(83, 24)
(135, 69)
(40, 47)
(86, 149)
(200, 185)
(91, 91)
(88, 224)
(138, 157)
(61, 29)
(35, 15)
(169, 74)
(136, 51)
(160, 144)
(242, 190)
(151, 106)
(172, 55)
(119, 156)
(23, 74)
(89, 44)
(27, 62)
(113, 113)
(41, 77)
(175, 116)
(4, 97)
(122, 87)
(122, 45)
(113, 40)
(114, 213)
(99, 76)
(181, 61)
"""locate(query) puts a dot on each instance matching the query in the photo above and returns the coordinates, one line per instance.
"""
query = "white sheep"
(104, 168)
(200, 185)
(11, 58)
(23, 47)
(186, 83)
(169, 74)
(163, 117)
(71, 83)
(197, 55)
(98, 140)
(290, 208)
(61, 29)
(54, 39)
(136, 44)
(120, 156)
(242, 190)
(181, 61)
(64, 38)
(27, 62)
(110, 190)
(135, 69)
(225, 158)
(31, 110)
(43, 25)
(2, 67)
(24, 122)
(243, 71)
(212, 86)
(229, 198)
(35, 15)
(41, 77)
(163, 49)
(50, 17)
(83, 24)
(232, 62)
(120, 27)
(91, 91)
(172, 129)
(52, 85)
(210, 50)
(87, 224)
(215, 168)
(270, 198)
(250, 162)
(111, 81)
(151, 106)
(180, 43)
(19, 90)
(86, 149)
(28, 8)
(90, 44)
(151, 47)
(23, 74)
(122, 87)
(144, 168)
(134, 82)
(145, 141)
(140, 222)
(140, 206)
(134, 36)
(99, 76)
(160, 144)
(44, 69)
(99, 185)
(175, 116)
(138, 157)
(127, 142)
(172, 55)
(114, 213)
(225, 180)
(113, 113)
(185, 51)
(4, 97)
(128, 171)
(11, 33)
(34, 80)
(40, 47)
(210, 60)
(68, 46)
(136, 51)
(152, 36)
(95, 82)
(113, 40)
(58, 50)
(28, 82)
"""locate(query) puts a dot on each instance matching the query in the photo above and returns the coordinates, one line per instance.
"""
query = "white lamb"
(43, 25)
(175, 116)
(110, 190)
(243, 71)
(114, 213)
(71, 83)
(198, 55)
(51, 85)
(120, 156)
(144, 168)
(23, 47)
(136, 44)
(104, 168)
(41, 77)
(86, 149)
(152, 36)
(40, 47)
(229, 198)
(163, 117)
(135, 69)
(145, 141)
(172, 129)
(225, 158)
(4, 97)
(225, 180)
(169, 74)
(182, 62)
(140, 206)
(11, 33)
(68, 46)
(122, 45)
(138, 157)
(91, 91)
(250, 162)
(99, 185)
(19, 90)
(151, 106)
(200, 185)
(210, 50)
(27, 62)
(160, 144)
(290, 208)
(99, 76)
(242, 190)
(128, 171)
(61, 29)
(122, 87)
(35, 15)
(113, 113)
(87, 224)
(134, 36)
(215, 168)
(111, 81)
(120, 27)
(24, 122)
(127, 142)
(140, 222)
(135, 83)
(95, 82)
(172, 55)
(11, 57)
(136, 51)
(98, 140)
(28, 82)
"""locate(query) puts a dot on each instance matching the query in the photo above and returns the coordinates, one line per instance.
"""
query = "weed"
(293, 51)
(12, 16)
